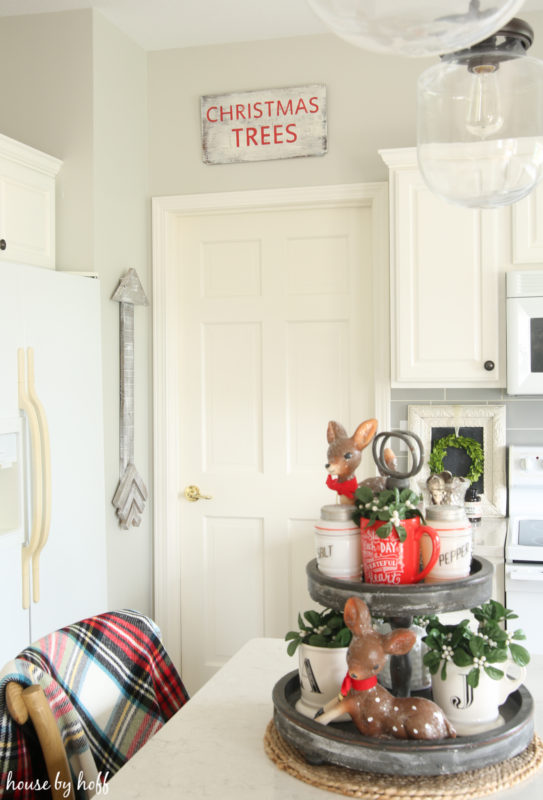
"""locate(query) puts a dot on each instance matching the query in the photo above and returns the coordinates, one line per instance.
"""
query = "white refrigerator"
(52, 499)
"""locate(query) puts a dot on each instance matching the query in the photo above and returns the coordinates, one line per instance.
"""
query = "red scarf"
(348, 488)
(358, 686)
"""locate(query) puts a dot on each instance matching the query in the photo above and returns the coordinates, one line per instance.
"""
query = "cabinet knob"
(3, 244)
(489, 366)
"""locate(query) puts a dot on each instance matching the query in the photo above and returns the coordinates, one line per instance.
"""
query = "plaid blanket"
(111, 686)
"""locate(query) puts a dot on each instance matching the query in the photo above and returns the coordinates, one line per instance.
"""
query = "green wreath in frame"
(472, 448)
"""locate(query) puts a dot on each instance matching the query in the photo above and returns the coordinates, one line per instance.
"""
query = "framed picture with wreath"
(469, 441)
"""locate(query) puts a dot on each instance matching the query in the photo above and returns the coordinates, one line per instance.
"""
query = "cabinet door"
(528, 228)
(27, 204)
(445, 287)
(27, 233)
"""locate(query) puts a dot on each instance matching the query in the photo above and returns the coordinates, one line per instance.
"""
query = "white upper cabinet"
(528, 228)
(27, 204)
(447, 285)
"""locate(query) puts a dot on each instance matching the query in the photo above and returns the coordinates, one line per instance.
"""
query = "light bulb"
(484, 116)
(480, 121)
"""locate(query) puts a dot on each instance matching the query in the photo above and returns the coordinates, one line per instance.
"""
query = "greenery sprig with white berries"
(324, 628)
(481, 649)
(390, 506)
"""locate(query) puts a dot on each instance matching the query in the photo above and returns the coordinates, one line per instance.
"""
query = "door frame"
(165, 213)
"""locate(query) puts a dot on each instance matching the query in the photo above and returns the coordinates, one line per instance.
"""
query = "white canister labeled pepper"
(337, 543)
(455, 536)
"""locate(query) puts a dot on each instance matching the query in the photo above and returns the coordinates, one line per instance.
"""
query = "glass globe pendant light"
(480, 121)
(414, 27)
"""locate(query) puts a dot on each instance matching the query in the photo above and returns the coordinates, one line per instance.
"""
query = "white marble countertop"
(213, 747)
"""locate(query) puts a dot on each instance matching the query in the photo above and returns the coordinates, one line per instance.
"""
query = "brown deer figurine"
(375, 711)
(344, 455)
(379, 482)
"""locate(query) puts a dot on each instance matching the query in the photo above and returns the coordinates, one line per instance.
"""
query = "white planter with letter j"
(321, 670)
(474, 710)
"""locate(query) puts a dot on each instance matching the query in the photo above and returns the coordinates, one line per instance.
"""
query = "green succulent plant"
(390, 506)
(319, 628)
(482, 649)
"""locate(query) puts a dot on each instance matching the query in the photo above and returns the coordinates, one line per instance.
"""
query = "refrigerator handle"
(45, 476)
(37, 486)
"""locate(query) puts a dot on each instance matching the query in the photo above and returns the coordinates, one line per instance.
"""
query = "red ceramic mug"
(391, 561)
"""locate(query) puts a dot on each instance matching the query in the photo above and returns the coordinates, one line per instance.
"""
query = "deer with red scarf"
(373, 709)
(344, 456)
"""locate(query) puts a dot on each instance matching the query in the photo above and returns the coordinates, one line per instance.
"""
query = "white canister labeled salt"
(456, 540)
(337, 543)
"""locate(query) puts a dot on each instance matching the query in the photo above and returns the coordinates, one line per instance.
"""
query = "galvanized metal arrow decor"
(131, 494)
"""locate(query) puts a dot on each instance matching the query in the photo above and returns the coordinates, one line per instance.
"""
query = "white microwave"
(525, 332)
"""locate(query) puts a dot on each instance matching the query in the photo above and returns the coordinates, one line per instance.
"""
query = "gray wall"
(46, 67)
(371, 106)
(121, 236)
(75, 87)
(371, 103)
(126, 125)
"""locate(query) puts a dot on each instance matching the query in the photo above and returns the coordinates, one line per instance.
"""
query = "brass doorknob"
(193, 493)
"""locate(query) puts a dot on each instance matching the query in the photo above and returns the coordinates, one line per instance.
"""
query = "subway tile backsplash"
(520, 437)
(524, 414)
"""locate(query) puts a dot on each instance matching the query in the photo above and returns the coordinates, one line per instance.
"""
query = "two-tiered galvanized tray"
(342, 744)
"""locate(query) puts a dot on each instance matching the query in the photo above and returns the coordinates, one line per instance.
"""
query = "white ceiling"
(162, 24)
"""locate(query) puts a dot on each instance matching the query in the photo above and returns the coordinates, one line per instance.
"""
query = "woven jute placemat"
(374, 786)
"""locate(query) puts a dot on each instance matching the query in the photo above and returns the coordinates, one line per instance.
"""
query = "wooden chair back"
(31, 702)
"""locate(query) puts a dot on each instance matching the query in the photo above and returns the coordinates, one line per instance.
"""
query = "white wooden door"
(276, 338)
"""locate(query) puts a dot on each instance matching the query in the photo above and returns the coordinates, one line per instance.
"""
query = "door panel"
(301, 549)
(311, 260)
(310, 378)
(233, 547)
(275, 339)
(233, 406)
(231, 269)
